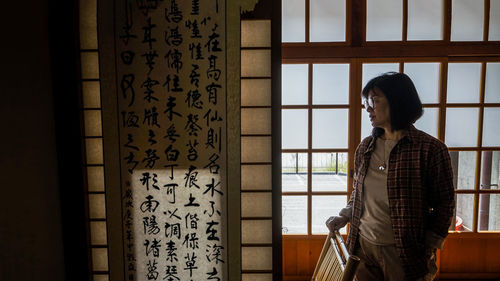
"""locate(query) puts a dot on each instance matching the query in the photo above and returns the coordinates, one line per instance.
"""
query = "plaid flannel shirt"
(420, 192)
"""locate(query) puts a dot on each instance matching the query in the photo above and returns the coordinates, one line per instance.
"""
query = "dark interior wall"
(31, 245)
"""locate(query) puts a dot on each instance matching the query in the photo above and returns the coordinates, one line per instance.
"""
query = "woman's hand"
(336, 223)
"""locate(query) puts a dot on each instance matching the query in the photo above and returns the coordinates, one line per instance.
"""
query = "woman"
(403, 199)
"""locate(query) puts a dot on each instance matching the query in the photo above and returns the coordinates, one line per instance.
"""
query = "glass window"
(491, 131)
(293, 26)
(425, 76)
(464, 81)
(464, 169)
(464, 212)
(467, 20)
(489, 209)
(294, 85)
(429, 121)
(461, 127)
(293, 172)
(492, 87)
(324, 207)
(384, 20)
(371, 70)
(294, 213)
(330, 83)
(425, 20)
(329, 171)
(330, 128)
(494, 32)
(490, 170)
(294, 128)
(328, 18)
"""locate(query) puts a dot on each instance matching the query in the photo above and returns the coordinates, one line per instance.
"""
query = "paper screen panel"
(98, 233)
(255, 63)
(492, 88)
(426, 77)
(95, 178)
(255, 121)
(256, 33)
(97, 207)
(256, 231)
(330, 128)
(294, 128)
(93, 124)
(494, 31)
(255, 149)
(88, 24)
(256, 277)
(256, 177)
(94, 151)
(256, 258)
(256, 92)
(91, 94)
(100, 259)
(464, 81)
(90, 65)
(101, 277)
(491, 128)
(256, 204)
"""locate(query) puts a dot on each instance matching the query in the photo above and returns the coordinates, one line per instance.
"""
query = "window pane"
(329, 171)
(384, 20)
(464, 169)
(324, 207)
(491, 132)
(465, 212)
(492, 90)
(464, 80)
(294, 84)
(293, 172)
(494, 33)
(429, 121)
(425, 20)
(366, 125)
(425, 76)
(330, 128)
(330, 83)
(489, 208)
(327, 20)
(461, 127)
(294, 212)
(293, 28)
(371, 70)
(467, 20)
(490, 170)
(293, 128)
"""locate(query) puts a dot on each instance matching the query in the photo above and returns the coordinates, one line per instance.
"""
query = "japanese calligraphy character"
(148, 37)
(154, 247)
(149, 205)
(212, 165)
(130, 140)
(196, 52)
(211, 231)
(214, 253)
(213, 72)
(151, 138)
(171, 252)
(171, 134)
(171, 272)
(130, 119)
(212, 92)
(191, 241)
(195, 7)
(191, 220)
(173, 14)
(173, 230)
(212, 187)
(192, 126)
(145, 180)
(127, 57)
(213, 42)
(170, 191)
(174, 37)
(174, 59)
(150, 56)
(126, 86)
(127, 27)
(146, 5)
(192, 152)
(152, 273)
(150, 225)
(190, 263)
(194, 75)
(175, 81)
(171, 153)
(191, 202)
(170, 108)
(193, 99)
(131, 162)
(151, 117)
(212, 275)
(193, 26)
(190, 177)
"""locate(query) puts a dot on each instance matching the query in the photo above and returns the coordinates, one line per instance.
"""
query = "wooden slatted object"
(335, 263)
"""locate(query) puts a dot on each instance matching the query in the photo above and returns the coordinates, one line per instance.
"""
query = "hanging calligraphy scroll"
(170, 71)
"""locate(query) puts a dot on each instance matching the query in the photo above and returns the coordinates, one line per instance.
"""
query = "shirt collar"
(406, 136)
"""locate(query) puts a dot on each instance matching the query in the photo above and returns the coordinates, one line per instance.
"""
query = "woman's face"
(378, 110)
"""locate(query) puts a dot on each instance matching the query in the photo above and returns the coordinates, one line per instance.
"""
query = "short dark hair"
(404, 103)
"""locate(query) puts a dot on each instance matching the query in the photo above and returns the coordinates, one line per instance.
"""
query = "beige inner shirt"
(376, 223)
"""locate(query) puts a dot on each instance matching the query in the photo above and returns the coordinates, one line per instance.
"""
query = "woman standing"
(403, 198)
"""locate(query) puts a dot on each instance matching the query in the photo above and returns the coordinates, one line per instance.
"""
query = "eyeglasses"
(369, 103)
